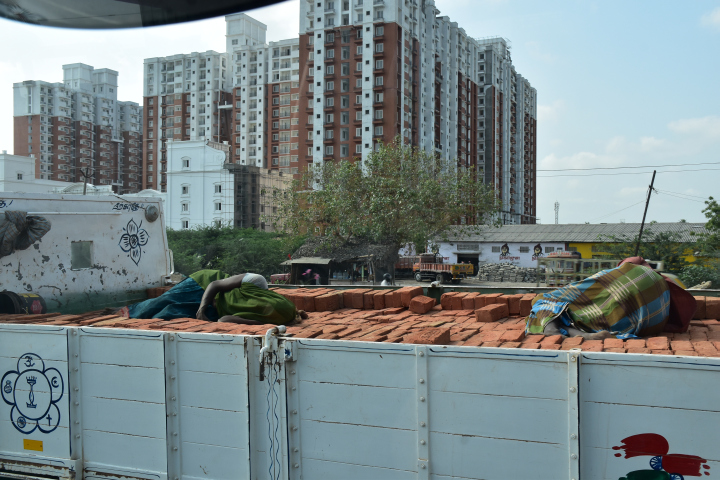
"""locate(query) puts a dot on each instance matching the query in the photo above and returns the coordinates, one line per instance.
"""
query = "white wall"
(514, 256)
(204, 173)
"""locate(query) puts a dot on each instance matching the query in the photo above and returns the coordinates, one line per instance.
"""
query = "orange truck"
(430, 267)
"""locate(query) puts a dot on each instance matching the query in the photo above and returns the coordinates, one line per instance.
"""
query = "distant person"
(215, 296)
(387, 280)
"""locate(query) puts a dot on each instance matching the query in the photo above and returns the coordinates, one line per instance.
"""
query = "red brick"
(547, 346)
(572, 342)
(480, 301)
(456, 301)
(658, 343)
(513, 336)
(661, 352)
(468, 301)
(613, 343)
(533, 339)
(96, 320)
(712, 308)
(429, 336)
(491, 313)
(408, 293)
(530, 346)
(491, 298)
(700, 312)
(369, 300)
(421, 304)
(705, 349)
(461, 336)
(350, 331)
(513, 302)
(552, 340)
(492, 344)
(510, 345)
(686, 353)
(475, 341)
(445, 300)
(638, 350)
(681, 345)
(635, 343)
(357, 298)
(328, 302)
(491, 336)
(615, 350)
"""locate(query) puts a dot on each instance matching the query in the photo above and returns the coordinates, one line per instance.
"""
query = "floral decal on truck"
(132, 241)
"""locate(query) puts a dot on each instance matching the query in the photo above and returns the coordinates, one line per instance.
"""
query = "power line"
(678, 196)
(613, 213)
(684, 194)
(619, 168)
(627, 173)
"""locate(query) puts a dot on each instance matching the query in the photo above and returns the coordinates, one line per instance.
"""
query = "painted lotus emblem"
(132, 241)
(33, 391)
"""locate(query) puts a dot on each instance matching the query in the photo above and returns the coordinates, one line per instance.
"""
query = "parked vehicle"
(431, 267)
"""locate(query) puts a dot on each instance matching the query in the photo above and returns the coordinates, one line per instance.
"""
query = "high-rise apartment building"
(78, 126)
(361, 72)
(376, 70)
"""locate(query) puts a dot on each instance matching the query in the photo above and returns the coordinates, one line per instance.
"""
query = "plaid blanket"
(625, 300)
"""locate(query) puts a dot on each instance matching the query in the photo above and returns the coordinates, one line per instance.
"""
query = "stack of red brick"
(406, 316)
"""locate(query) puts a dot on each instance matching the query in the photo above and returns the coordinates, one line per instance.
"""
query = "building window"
(218, 206)
(378, 130)
(185, 163)
(358, 148)
(379, 47)
(549, 249)
(329, 150)
(185, 189)
(524, 249)
(19, 176)
(218, 188)
(184, 207)
(185, 224)
(495, 249)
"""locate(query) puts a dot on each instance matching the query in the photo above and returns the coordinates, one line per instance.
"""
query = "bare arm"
(218, 286)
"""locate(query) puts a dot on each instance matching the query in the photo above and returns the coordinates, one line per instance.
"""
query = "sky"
(620, 84)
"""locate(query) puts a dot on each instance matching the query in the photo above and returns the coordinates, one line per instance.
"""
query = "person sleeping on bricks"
(628, 301)
(215, 296)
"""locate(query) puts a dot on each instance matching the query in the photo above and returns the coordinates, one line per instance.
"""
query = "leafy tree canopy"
(399, 195)
(666, 246)
(710, 242)
(230, 250)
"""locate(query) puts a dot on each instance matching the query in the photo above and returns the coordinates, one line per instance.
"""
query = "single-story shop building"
(522, 245)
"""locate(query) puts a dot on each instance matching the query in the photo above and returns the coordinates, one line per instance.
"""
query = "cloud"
(711, 19)
(549, 113)
(705, 126)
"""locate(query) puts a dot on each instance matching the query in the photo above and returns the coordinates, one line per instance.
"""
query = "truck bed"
(353, 392)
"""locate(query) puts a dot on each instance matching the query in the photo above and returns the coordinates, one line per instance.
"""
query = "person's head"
(257, 280)
(387, 277)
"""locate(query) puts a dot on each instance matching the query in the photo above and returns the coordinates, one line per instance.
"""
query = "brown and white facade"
(361, 72)
(78, 126)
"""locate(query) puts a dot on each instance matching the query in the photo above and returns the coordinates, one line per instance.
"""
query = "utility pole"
(647, 203)
(557, 212)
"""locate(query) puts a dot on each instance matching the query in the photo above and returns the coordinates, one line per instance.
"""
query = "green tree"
(709, 242)
(399, 195)
(229, 249)
(666, 246)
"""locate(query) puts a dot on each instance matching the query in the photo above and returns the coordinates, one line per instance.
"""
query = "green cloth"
(249, 301)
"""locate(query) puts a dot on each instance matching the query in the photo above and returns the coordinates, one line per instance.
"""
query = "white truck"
(121, 404)
(100, 250)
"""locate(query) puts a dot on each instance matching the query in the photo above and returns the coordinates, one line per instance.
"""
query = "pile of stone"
(505, 272)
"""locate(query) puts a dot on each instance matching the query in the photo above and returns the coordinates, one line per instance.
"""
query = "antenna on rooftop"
(557, 211)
